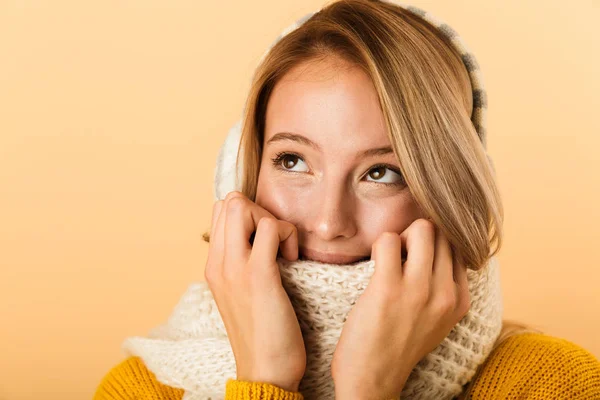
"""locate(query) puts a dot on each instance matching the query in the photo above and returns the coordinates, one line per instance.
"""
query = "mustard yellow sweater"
(525, 366)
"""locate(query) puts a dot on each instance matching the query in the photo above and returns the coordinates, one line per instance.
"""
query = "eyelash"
(279, 157)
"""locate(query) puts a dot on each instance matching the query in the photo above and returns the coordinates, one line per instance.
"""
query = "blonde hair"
(426, 97)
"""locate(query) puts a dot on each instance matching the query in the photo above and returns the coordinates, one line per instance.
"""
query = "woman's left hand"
(404, 313)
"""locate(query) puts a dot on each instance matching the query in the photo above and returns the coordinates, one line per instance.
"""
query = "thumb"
(387, 253)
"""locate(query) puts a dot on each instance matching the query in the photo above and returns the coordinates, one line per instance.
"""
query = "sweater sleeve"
(534, 366)
(131, 380)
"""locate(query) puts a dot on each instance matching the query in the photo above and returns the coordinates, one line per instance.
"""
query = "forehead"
(335, 104)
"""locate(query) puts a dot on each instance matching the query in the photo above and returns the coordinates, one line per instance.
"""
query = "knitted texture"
(534, 366)
(240, 390)
(131, 379)
(191, 351)
(537, 366)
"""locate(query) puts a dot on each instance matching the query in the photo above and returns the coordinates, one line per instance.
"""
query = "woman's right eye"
(286, 161)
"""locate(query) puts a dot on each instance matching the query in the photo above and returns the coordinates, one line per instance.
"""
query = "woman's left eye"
(379, 171)
(287, 161)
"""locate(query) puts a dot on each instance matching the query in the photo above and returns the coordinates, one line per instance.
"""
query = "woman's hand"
(261, 324)
(404, 313)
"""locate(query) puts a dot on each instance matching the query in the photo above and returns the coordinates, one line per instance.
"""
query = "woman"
(364, 140)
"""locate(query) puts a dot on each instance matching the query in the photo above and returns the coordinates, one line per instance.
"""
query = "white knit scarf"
(191, 350)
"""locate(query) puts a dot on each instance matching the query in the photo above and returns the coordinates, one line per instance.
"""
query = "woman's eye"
(380, 171)
(286, 161)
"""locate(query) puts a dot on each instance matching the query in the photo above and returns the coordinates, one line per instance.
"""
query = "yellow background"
(111, 115)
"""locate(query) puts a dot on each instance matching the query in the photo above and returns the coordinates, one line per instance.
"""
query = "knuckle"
(235, 204)
(445, 304)
(418, 302)
(419, 298)
(267, 224)
(387, 239)
(287, 223)
(233, 194)
(425, 226)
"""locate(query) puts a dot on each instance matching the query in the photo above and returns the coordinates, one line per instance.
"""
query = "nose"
(334, 213)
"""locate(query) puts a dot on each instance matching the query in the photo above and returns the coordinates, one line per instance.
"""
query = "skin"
(335, 198)
(332, 201)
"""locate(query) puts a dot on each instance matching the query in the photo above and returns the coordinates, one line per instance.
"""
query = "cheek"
(276, 198)
(393, 216)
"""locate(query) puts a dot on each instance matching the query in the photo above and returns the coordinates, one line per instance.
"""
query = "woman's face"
(327, 165)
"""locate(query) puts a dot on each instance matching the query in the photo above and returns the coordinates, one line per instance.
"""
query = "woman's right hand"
(244, 279)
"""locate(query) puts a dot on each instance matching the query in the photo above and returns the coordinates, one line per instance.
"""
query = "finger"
(442, 263)
(217, 235)
(387, 253)
(243, 216)
(212, 254)
(219, 230)
(419, 241)
(215, 214)
(272, 233)
(288, 235)
(242, 219)
(239, 224)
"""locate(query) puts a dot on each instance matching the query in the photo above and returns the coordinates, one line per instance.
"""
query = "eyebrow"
(295, 137)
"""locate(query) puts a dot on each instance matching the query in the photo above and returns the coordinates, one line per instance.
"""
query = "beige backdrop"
(111, 114)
